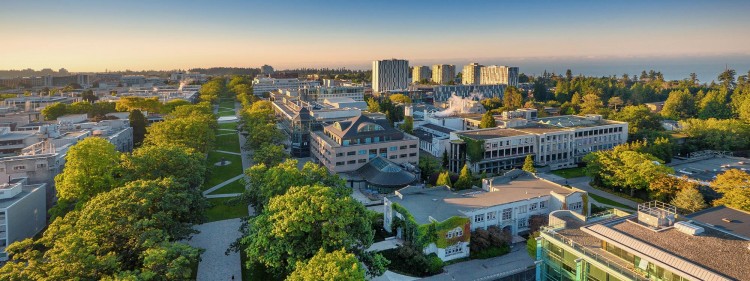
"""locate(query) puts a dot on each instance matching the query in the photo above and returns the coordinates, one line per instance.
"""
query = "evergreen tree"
(138, 122)
(444, 179)
(528, 164)
(464, 178)
(488, 121)
(445, 158)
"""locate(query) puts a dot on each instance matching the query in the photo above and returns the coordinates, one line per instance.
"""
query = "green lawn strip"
(226, 113)
(570, 173)
(234, 187)
(220, 174)
(228, 126)
(221, 211)
(609, 202)
(229, 143)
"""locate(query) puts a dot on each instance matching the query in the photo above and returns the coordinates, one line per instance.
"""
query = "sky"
(116, 35)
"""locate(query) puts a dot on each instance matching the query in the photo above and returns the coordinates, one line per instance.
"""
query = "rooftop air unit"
(688, 228)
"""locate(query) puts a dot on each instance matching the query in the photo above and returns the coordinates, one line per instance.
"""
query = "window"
(522, 209)
(362, 152)
(339, 154)
(393, 156)
(19, 167)
(362, 161)
(542, 205)
(491, 216)
(402, 147)
(402, 156)
(412, 154)
(351, 153)
(479, 218)
(41, 165)
(533, 206)
(455, 249)
(507, 213)
(340, 163)
(456, 232)
(575, 206)
(413, 146)
(393, 148)
(522, 224)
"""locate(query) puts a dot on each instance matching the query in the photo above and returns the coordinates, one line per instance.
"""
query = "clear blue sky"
(93, 36)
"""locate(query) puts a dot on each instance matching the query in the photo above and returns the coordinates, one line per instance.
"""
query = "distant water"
(675, 68)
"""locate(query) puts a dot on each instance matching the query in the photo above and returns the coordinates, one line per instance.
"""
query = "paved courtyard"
(215, 238)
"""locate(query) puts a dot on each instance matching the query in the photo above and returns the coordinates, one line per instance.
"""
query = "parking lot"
(707, 169)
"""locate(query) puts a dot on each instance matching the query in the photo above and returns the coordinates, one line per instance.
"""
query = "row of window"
(598, 132)
(454, 249)
(23, 167)
(507, 213)
(456, 232)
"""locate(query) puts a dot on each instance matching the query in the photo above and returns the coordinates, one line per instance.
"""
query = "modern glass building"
(655, 243)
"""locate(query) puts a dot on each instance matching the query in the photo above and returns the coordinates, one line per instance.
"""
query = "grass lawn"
(234, 187)
(223, 173)
(608, 201)
(570, 173)
(220, 211)
(229, 143)
(225, 112)
(226, 103)
(229, 126)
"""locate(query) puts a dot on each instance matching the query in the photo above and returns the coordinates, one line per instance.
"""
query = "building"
(23, 212)
(508, 202)
(558, 142)
(188, 76)
(471, 74)
(390, 75)
(262, 85)
(12, 142)
(444, 92)
(320, 94)
(347, 145)
(494, 74)
(443, 73)
(433, 139)
(653, 244)
(419, 73)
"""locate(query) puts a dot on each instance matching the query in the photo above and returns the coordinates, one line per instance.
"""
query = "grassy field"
(229, 143)
(608, 201)
(228, 126)
(220, 211)
(234, 187)
(570, 173)
(223, 173)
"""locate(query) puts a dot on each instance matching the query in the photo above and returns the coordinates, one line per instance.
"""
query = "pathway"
(518, 259)
(226, 182)
(216, 237)
(227, 152)
(582, 183)
(227, 195)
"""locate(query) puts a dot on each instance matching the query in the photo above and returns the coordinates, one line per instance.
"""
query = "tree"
(735, 188)
(679, 105)
(727, 78)
(373, 105)
(400, 98)
(641, 121)
(464, 178)
(568, 75)
(729, 134)
(491, 103)
(512, 98)
(408, 125)
(488, 121)
(138, 122)
(336, 266)
(168, 161)
(297, 224)
(270, 154)
(615, 102)
(528, 164)
(427, 166)
(170, 106)
(52, 112)
(591, 104)
(89, 170)
(263, 134)
(444, 179)
(445, 158)
(190, 132)
(665, 187)
(689, 199)
(89, 96)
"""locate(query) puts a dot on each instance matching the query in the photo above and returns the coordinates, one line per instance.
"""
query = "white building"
(508, 202)
(263, 85)
(390, 75)
(23, 212)
(419, 73)
(188, 76)
(443, 73)
(494, 74)
(471, 74)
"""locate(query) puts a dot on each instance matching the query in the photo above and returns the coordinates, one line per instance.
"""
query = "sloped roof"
(382, 172)
(352, 127)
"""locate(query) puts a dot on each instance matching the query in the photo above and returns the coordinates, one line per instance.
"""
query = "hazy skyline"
(94, 36)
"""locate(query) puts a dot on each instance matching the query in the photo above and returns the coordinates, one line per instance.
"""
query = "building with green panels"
(655, 243)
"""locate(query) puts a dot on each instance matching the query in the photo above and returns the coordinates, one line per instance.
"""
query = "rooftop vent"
(688, 228)
(656, 214)
(727, 220)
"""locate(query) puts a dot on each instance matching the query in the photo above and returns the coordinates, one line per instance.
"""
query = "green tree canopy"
(528, 164)
(138, 122)
(735, 188)
(641, 121)
(400, 98)
(270, 154)
(444, 179)
(488, 121)
(89, 170)
(679, 105)
(689, 200)
(512, 98)
(335, 266)
(464, 179)
(156, 162)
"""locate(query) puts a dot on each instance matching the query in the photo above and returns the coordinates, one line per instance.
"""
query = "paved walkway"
(215, 187)
(387, 244)
(215, 238)
(227, 152)
(516, 260)
(227, 195)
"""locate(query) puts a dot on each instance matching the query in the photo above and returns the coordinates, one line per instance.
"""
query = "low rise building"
(508, 202)
(347, 145)
(653, 244)
(262, 85)
(23, 212)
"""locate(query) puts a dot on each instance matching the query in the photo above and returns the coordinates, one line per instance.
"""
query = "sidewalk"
(215, 238)
(514, 261)
(583, 184)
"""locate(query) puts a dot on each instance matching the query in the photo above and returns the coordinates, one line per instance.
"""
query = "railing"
(627, 271)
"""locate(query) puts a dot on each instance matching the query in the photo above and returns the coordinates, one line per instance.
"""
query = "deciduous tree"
(335, 266)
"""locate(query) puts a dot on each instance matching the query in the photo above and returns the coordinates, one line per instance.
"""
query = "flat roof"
(442, 203)
(706, 170)
(712, 255)
(492, 133)
(26, 190)
(438, 128)
(726, 219)
(575, 121)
